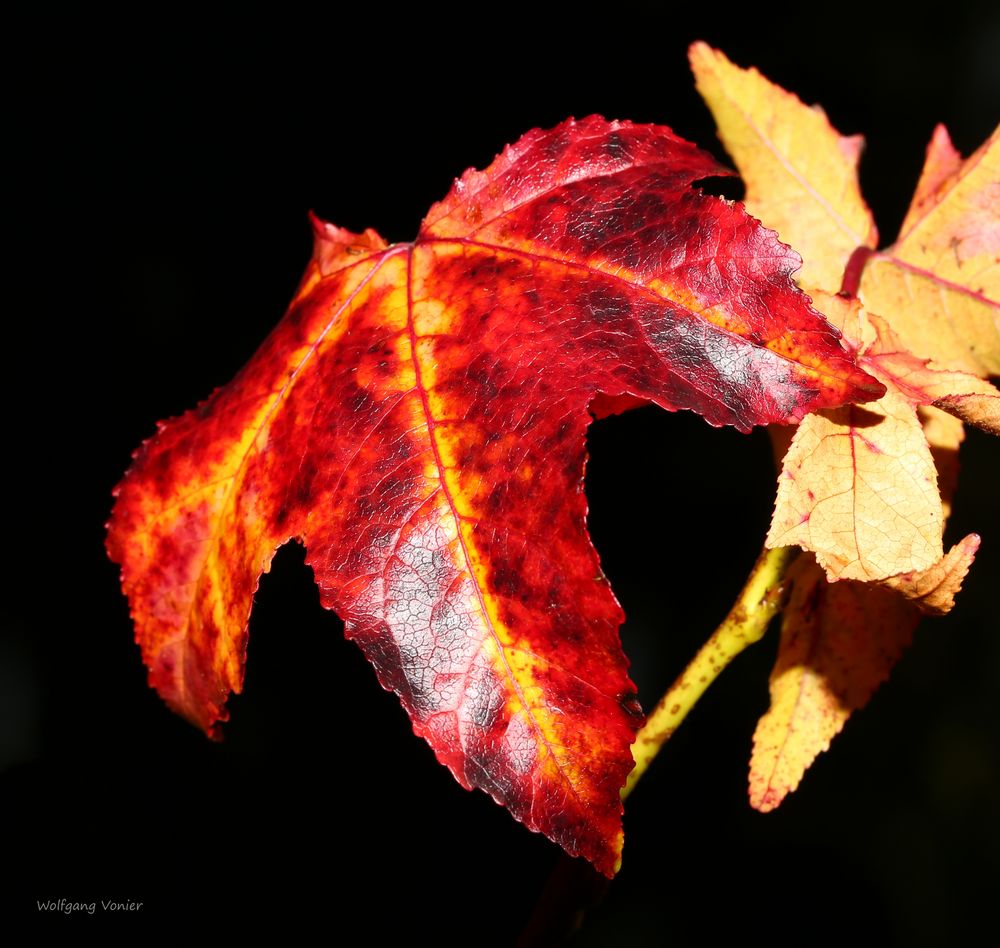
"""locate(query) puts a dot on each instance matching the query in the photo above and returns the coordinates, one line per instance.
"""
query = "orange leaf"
(800, 173)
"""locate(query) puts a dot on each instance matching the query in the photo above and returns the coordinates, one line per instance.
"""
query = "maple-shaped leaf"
(417, 420)
(839, 642)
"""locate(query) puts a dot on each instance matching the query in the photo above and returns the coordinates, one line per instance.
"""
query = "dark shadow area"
(863, 418)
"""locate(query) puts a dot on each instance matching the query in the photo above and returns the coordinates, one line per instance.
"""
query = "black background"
(162, 171)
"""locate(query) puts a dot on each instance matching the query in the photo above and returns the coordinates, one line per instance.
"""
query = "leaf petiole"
(758, 603)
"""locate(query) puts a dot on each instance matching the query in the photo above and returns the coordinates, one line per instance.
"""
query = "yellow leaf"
(839, 642)
(860, 485)
(800, 173)
(939, 284)
(933, 590)
(956, 328)
(859, 489)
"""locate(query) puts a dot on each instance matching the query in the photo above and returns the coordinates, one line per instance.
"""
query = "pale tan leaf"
(859, 489)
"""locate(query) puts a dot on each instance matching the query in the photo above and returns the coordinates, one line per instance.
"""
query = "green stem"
(758, 603)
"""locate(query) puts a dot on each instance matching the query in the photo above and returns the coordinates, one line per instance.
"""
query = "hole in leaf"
(730, 188)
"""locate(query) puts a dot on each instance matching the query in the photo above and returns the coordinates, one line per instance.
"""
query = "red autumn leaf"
(417, 420)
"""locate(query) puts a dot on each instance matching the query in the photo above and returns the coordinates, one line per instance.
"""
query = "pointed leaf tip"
(933, 590)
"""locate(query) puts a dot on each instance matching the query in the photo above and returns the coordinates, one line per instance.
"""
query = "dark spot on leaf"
(505, 581)
(605, 305)
(364, 508)
(555, 144)
(402, 449)
(480, 373)
(360, 400)
(495, 498)
(615, 147)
